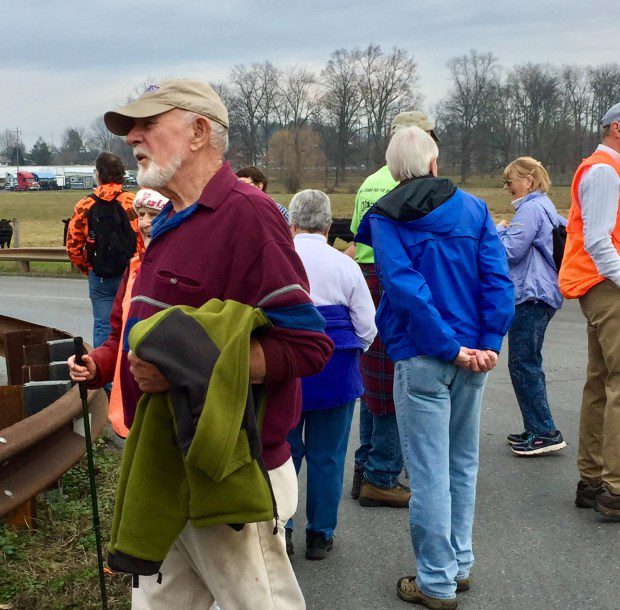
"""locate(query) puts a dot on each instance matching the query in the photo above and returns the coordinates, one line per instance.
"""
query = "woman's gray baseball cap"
(179, 93)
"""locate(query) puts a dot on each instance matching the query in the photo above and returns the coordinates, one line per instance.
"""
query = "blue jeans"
(102, 292)
(322, 437)
(379, 454)
(525, 341)
(438, 411)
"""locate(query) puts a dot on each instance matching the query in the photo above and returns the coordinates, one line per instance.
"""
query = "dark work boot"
(463, 584)
(317, 546)
(358, 477)
(608, 505)
(586, 494)
(288, 534)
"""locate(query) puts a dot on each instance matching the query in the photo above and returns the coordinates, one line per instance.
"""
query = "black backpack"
(111, 240)
(558, 236)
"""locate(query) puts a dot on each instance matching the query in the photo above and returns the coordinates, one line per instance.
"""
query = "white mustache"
(138, 150)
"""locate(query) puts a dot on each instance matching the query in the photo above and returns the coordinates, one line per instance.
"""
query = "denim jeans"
(102, 292)
(438, 411)
(379, 454)
(322, 436)
(525, 341)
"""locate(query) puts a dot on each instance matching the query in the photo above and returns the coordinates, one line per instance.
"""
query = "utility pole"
(17, 132)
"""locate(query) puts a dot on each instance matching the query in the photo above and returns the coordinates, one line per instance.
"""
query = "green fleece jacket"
(194, 452)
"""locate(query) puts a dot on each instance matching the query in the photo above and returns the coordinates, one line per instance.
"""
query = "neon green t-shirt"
(373, 188)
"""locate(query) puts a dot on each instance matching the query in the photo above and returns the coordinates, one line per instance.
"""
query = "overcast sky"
(65, 62)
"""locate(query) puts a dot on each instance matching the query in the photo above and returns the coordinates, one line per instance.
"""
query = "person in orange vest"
(147, 205)
(590, 271)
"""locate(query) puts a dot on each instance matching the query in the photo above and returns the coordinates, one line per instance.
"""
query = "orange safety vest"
(115, 411)
(578, 272)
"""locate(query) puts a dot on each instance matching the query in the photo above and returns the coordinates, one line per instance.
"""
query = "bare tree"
(12, 148)
(387, 84)
(474, 77)
(299, 97)
(269, 77)
(99, 138)
(341, 103)
(300, 101)
(538, 96)
(294, 152)
(604, 82)
(249, 93)
(577, 96)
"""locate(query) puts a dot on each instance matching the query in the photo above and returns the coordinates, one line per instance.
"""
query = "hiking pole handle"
(78, 344)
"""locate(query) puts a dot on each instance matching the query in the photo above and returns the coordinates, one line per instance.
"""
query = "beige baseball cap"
(179, 93)
(414, 118)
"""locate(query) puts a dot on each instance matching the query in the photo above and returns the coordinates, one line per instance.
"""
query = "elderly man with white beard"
(219, 238)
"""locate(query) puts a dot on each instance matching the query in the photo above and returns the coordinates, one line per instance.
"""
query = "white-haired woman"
(447, 304)
(339, 291)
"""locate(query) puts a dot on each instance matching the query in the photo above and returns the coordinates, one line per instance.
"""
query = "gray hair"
(310, 210)
(410, 153)
(605, 131)
(219, 133)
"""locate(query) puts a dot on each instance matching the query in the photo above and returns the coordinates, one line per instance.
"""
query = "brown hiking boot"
(358, 478)
(608, 505)
(463, 584)
(409, 591)
(586, 494)
(394, 497)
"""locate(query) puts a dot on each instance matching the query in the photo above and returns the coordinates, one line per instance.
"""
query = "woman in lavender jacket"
(528, 241)
(340, 293)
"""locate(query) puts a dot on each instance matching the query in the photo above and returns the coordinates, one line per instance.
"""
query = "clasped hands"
(476, 360)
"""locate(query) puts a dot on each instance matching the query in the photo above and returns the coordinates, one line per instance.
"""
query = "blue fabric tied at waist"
(340, 382)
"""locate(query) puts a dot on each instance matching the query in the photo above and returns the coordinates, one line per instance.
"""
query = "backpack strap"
(554, 227)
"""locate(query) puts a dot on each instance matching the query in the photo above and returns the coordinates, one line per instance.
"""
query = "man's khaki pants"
(599, 430)
(246, 570)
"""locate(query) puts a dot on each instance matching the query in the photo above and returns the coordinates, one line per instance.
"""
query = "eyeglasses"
(509, 182)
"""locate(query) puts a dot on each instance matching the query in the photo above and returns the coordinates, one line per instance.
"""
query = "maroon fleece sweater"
(236, 245)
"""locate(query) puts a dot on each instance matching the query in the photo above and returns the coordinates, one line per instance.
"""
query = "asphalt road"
(534, 548)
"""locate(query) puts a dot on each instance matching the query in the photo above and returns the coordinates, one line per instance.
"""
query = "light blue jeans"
(438, 412)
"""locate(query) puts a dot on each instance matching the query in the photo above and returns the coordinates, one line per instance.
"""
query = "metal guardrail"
(36, 451)
(26, 255)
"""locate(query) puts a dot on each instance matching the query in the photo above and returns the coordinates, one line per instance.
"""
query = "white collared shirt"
(599, 192)
(336, 279)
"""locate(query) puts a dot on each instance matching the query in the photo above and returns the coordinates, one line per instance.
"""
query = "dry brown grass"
(40, 214)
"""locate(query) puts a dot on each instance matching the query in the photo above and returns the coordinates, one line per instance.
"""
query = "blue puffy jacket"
(443, 269)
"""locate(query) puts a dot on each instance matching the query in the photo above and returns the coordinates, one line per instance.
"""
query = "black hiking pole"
(79, 352)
